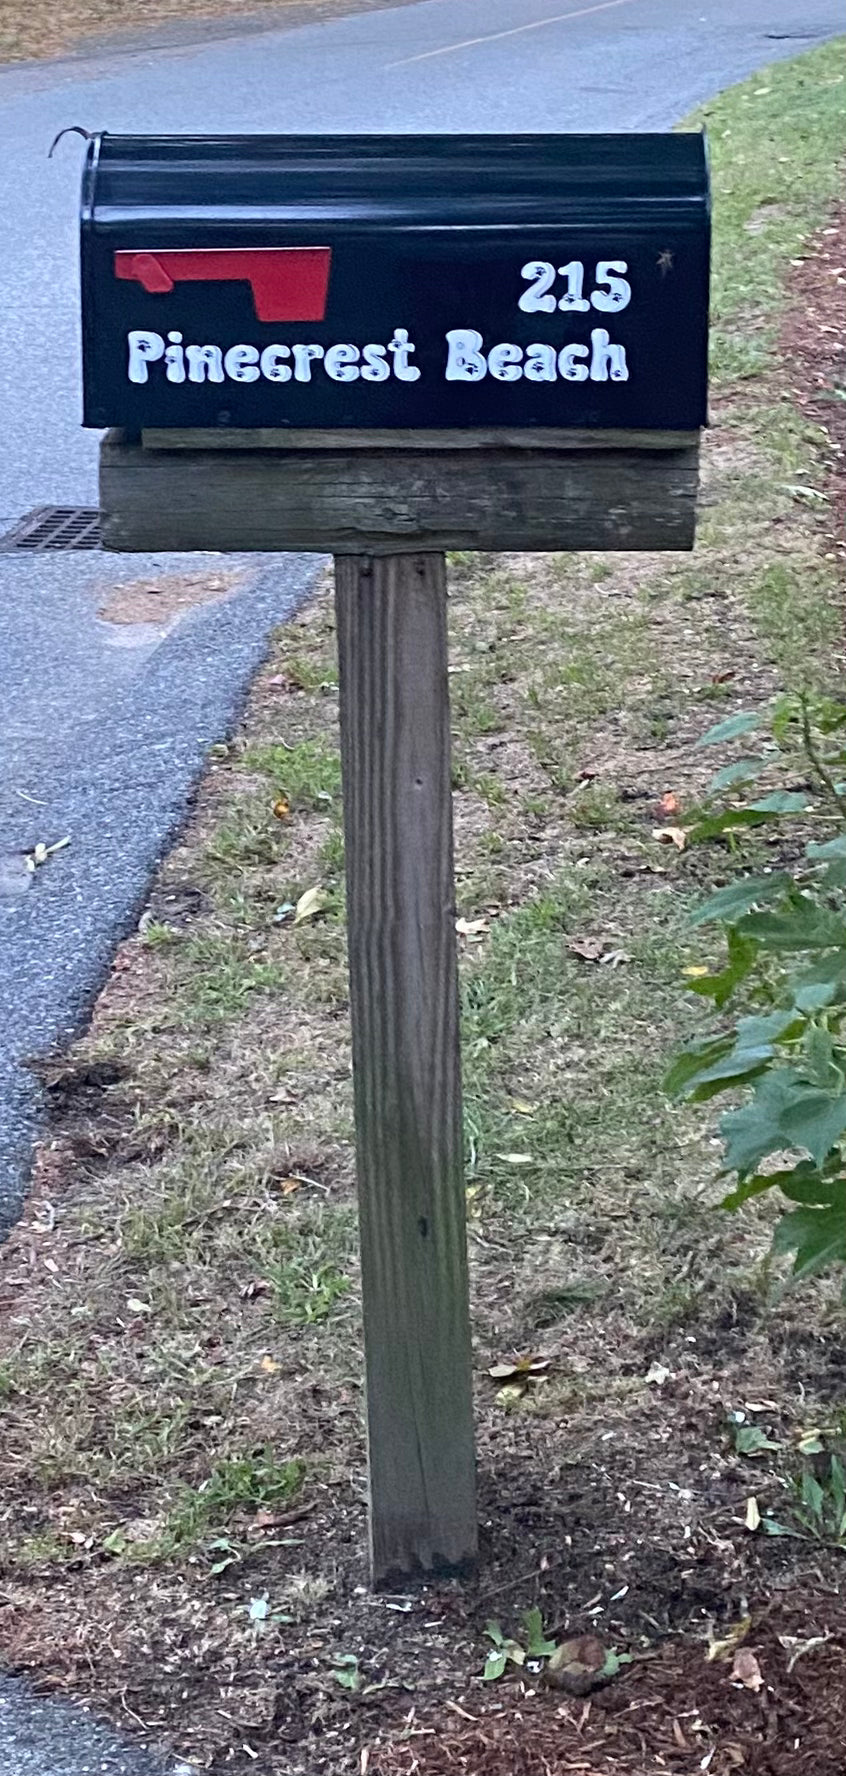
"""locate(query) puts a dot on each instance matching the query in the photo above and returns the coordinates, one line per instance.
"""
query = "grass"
(770, 193)
(191, 1362)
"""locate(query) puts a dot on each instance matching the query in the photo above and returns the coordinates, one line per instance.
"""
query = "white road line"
(515, 31)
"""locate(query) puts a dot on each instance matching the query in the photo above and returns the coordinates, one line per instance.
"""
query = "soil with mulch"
(784, 1715)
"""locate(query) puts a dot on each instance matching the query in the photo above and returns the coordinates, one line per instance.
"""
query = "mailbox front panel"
(396, 282)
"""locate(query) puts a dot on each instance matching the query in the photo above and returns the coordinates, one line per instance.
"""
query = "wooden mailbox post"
(385, 348)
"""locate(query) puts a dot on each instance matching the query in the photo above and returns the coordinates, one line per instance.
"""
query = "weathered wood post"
(395, 745)
(530, 373)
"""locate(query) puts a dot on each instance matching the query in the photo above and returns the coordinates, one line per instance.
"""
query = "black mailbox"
(396, 281)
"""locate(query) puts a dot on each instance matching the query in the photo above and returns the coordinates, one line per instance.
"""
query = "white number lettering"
(575, 274)
(535, 300)
(619, 292)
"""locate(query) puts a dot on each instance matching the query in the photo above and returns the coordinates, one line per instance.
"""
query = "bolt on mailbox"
(408, 282)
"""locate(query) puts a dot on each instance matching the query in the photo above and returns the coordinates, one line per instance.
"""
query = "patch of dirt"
(38, 28)
(162, 600)
(671, 1710)
(813, 343)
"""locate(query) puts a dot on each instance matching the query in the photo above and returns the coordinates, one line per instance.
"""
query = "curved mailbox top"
(396, 281)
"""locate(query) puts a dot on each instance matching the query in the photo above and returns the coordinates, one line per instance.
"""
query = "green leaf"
(821, 983)
(812, 1494)
(802, 1183)
(614, 1662)
(837, 1481)
(689, 1064)
(829, 848)
(494, 1633)
(772, 1528)
(751, 1440)
(731, 728)
(785, 1112)
(719, 987)
(346, 1672)
(744, 771)
(783, 801)
(804, 926)
(767, 1028)
(729, 903)
(806, 1184)
(741, 1064)
(755, 1186)
(817, 1237)
(820, 1059)
(537, 1645)
(755, 1130)
(815, 1121)
(712, 826)
(495, 1664)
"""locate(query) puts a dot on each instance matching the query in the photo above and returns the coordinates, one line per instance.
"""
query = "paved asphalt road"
(103, 728)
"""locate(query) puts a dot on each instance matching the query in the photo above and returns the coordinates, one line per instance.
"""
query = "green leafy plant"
(346, 1671)
(785, 972)
(533, 1644)
(821, 1503)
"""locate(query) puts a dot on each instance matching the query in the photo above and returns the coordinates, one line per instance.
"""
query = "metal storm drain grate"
(54, 527)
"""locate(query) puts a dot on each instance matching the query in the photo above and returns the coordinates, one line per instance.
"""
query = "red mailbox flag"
(288, 283)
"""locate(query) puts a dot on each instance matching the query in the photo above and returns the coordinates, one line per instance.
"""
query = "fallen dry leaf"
(310, 905)
(668, 805)
(747, 1671)
(472, 928)
(753, 1515)
(671, 835)
(518, 1368)
(282, 808)
(577, 1666)
(590, 949)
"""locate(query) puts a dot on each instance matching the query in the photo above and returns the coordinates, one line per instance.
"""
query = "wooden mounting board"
(383, 499)
(495, 438)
